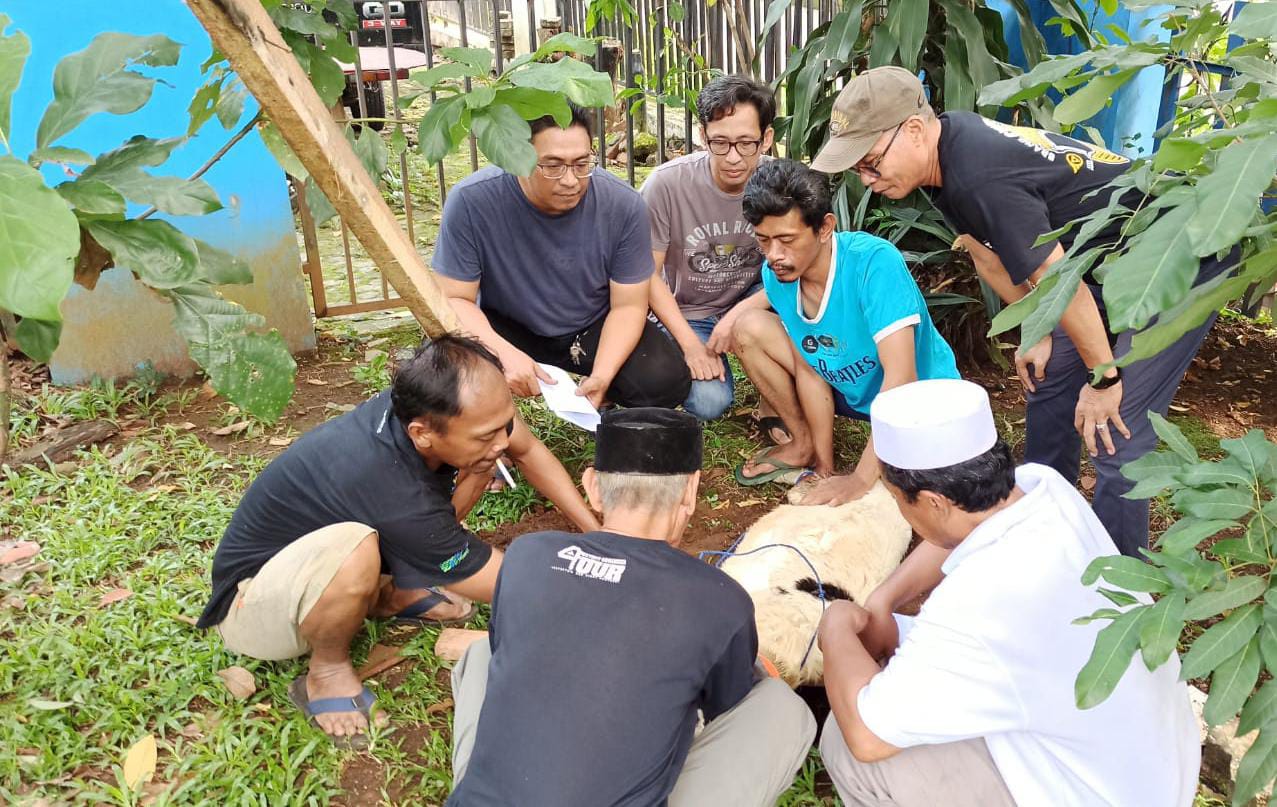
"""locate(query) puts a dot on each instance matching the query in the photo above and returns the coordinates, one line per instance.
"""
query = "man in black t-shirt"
(356, 520)
(604, 647)
(1001, 187)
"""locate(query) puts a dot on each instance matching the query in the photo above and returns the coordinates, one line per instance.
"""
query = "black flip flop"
(414, 614)
(362, 703)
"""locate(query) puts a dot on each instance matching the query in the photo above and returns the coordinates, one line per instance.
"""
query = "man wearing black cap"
(603, 648)
(1002, 187)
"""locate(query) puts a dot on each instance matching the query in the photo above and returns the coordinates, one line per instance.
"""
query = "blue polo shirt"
(869, 296)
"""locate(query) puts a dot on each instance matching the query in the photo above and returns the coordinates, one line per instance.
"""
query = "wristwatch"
(1106, 382)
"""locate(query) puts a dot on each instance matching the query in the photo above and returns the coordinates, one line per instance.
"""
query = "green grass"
(1200, 434)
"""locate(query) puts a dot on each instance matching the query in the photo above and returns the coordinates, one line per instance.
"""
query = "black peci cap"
(648, 440)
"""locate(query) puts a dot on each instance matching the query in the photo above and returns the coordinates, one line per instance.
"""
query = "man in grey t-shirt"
(706, 257)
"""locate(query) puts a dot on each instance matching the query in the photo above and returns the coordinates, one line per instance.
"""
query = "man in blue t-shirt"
(554, 267)
(849, 322)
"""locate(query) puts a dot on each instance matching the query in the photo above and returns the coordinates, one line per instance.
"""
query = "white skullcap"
(932, 424)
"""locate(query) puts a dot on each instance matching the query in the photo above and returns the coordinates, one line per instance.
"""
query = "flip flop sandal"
(782, 471)
(414, 614)
(767, 424)
(362, 703)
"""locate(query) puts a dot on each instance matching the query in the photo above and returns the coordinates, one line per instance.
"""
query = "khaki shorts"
(265, 619)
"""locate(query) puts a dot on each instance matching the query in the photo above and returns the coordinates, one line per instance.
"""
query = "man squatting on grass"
(357, 520)
(603, 647)
(975, 705)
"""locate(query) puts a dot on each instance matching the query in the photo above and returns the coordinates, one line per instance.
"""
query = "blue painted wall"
(256, 223)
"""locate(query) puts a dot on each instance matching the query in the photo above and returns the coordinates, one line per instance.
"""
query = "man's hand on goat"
(836, 490)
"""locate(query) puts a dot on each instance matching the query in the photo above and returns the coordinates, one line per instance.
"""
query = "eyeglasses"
(871, 169)
(745, 148)
(581, 170)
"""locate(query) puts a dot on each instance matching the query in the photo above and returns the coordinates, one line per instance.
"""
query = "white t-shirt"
(993, 654)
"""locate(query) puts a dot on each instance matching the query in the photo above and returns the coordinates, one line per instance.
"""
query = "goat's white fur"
(853, 546)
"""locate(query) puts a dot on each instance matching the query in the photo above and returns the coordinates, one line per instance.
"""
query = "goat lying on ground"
(853, 548)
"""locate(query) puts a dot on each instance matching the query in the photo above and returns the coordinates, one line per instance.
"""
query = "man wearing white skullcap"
(975, 704)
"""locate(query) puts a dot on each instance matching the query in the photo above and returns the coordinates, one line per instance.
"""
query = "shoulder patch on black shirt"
(1076, 154)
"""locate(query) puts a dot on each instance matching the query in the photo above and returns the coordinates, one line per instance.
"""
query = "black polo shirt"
(360, 467)
(604, 647)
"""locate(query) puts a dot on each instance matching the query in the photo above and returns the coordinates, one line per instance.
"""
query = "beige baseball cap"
(871, 103)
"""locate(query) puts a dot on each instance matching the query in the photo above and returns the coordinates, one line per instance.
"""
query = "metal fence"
(670, 45)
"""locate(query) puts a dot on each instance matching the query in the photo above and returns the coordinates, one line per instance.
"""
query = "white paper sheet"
(563, 401)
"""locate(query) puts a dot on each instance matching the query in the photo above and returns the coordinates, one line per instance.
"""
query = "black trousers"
(655, 373)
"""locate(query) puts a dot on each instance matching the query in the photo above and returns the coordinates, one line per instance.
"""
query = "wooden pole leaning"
(243, 31)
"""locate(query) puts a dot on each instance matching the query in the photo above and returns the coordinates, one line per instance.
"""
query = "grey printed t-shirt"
(547, 273)
(711, 257)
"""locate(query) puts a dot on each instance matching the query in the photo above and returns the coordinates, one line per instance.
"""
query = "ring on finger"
(1101, 427)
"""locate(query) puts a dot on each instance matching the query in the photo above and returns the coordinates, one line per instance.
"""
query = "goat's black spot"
(832, 592)
(781, 591)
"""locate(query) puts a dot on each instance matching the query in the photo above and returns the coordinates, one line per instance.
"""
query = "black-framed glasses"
(580, 169)
(871, 169)
(745, 148)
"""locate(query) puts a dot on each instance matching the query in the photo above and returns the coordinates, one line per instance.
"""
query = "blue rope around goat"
(731, 552)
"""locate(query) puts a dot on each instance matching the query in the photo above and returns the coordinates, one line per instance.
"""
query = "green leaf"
(156, 251)
(1231, 684)
(121, 168)
(1153, 473)
(1014, 314)
(844, 30)
(14, 50)
(1184, 535)
(435, 76)
(1228, 197)
(1221, 641)
(1255, 21)
(93, 198)
(204, 102)
(480, 96)
(1177, 154)
(1253, 452)
(283, 155)
(1237, 550)
(567, 42)
(907, 20)
(1225, 503)
(371, 151)
(1259, 766)
(230, 106)
(1268, 641)
(1011, 91)
(1114, 647)
(98, 79)
(532, 104)
(39, 242)
(1091, 98)
(1260, 710)
(477, 59)
(398, 141)
(37, 338)
(1227, 471)
(808, 84)
(222, 268)
(1160, 629)
(1102, 613)
(582, 84)
(1118, 598)
(1042, 320)
(1238, 591)
(1154, 274)
(1187, 314)
(61, 155)
(321, 210)
(505, 137)
(435, 130)
(1173, 437)
(1131, 574)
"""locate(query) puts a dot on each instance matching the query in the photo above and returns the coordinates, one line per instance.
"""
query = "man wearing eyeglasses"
(707, 260)
(1002, 187)
(555, 267)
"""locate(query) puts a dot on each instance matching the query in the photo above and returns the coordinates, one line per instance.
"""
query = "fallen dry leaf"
(15, 552)
(114, 595)
(139, 763)
(442, 706)
(317, 382)
(381, 658)
(749, 502)
(262, 707)
(234, 428)
(336, 407)
(207, 393)
(187, 619)
(1088, 483)
(239, 682)
(280, 441)
(187, 426)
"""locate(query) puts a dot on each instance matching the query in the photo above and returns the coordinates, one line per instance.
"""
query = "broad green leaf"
(1042, 320)
(1237, 550)
(505, 137)
(532, 104)
(434, 132)
(1190, 572)
(1268, 640)
(1184, 535)
(1221, 641)
(1173, 437)
(37, 338)
(222, 268)
(1227, 471)
(1154, 274)
(92, 197)
(1090, 99)
(204, 102)
(1102, 613)
(1176, 154)
(907, 20)
(321, 210)
(1259, 766)
(959, 89)
(1014, 314)
(14, 50)
(808, 85)
(283, 155)
(1013, 90)
(1160, 629)
(1118, 598)
(844, 30)
(775, 10)
(1131, 574)
(477, 59)
(1226, 503)
(121, 168)
(1239, 591)
(39, 242)
(61, 155)
(230, 105)
(398, 141)
(1253, 452)
(1114, 646)
(1152, 473)
(98, 79)
(982, 67)
(1260, 710)
(300, 20)
(1259, 537)
(371, 151)
(1228, 197)
(1231, 684)
(565, 42)
(1255, 21)
(582, 84)
(480, 96)
(883, 47)
(434, 76)
(156, 251)
(1187, 314)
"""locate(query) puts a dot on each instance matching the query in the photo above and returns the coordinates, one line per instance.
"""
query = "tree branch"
(219, 154)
